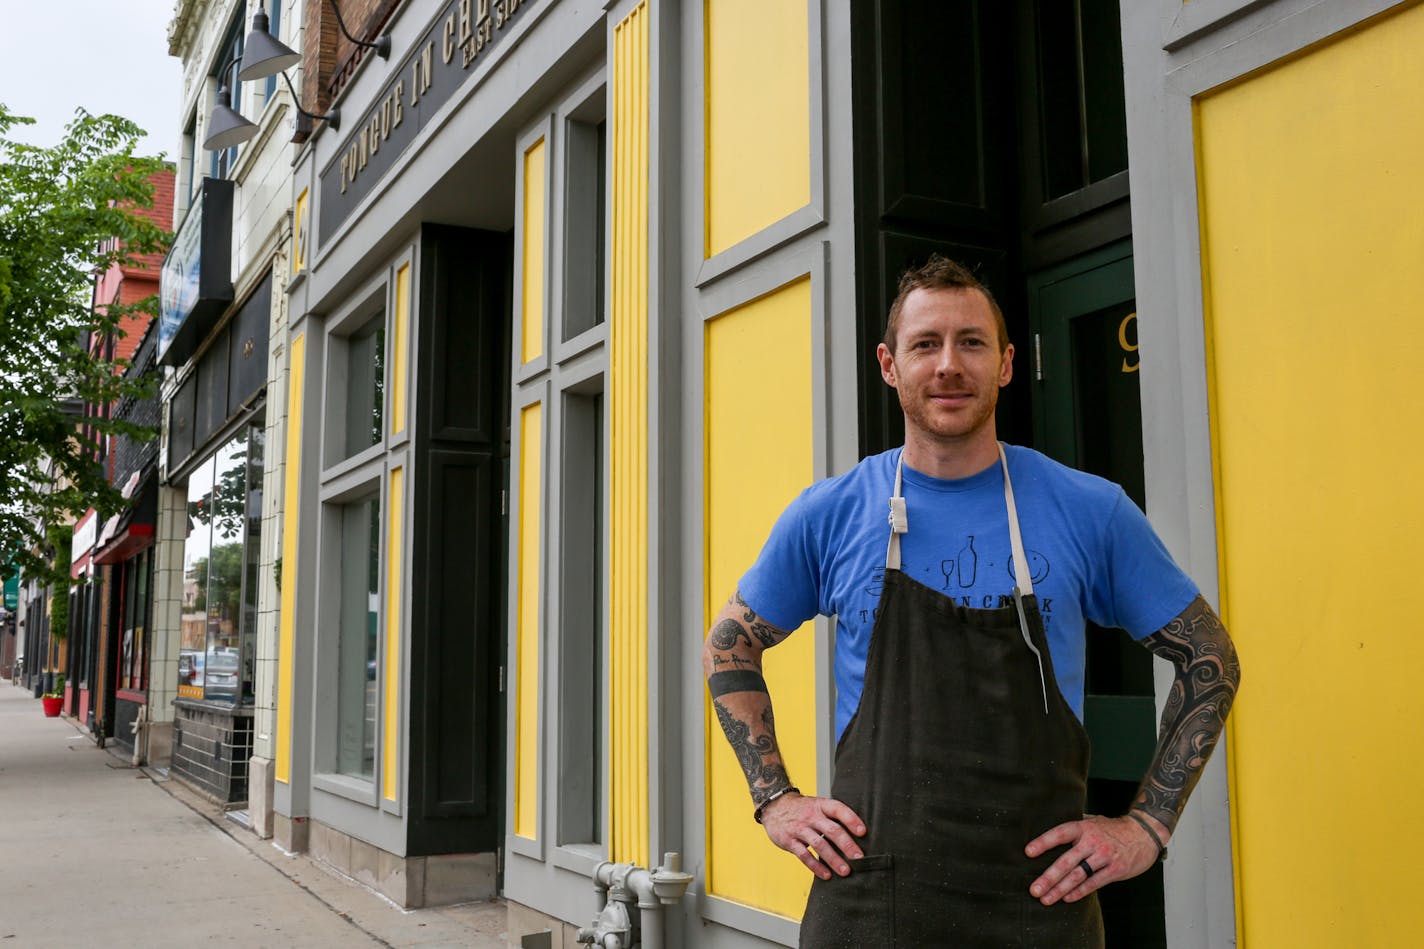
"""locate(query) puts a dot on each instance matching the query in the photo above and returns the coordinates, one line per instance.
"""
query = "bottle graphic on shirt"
(967, 563)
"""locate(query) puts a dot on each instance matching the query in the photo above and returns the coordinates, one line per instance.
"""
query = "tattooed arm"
(1207, 676)
(731, 660)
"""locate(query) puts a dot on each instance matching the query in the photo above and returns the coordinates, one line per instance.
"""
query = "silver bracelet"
(756, 814)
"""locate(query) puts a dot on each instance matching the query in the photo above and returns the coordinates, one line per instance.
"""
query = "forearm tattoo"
(739, 694)
(1208, 674)
(764, 778)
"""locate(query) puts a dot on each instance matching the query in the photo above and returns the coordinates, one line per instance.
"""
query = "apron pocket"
(853, 912)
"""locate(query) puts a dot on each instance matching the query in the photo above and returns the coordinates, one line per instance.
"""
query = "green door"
(1087, 414)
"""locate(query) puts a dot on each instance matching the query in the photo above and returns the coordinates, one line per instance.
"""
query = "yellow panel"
(526, 726)
(769, 338)
(299, 237)
(1312, 233)
(390, 673)
(532, 314)
(291, 496)
(628, 382)
(758, 116)
(398, 347)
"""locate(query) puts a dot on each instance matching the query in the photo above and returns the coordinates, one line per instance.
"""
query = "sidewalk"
(96, 852)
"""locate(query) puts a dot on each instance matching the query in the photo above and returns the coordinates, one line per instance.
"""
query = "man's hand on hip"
(1115, 848)
(816, 830)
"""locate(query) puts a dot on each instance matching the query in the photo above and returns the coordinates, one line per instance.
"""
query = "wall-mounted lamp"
(264, 55)
(226, 126)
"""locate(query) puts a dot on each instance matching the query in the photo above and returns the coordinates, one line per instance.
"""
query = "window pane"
(192, 655)
(223, 673)
(256, 441)
(356, 659)
(365, 386)
(141, 621)
(581, 579)
(586, 203)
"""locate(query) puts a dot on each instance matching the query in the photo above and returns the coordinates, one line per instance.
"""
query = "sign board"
(11, 601)
(195, 284)
(459, 39)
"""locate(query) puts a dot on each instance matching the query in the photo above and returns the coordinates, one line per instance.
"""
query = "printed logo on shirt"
(961, 572)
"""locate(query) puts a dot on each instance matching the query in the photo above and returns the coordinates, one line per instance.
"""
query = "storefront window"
(365, 386)
(133, 660)
(219, 572)
(193, 638)
(356, 678)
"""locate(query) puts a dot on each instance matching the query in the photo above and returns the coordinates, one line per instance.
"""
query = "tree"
(61, 207)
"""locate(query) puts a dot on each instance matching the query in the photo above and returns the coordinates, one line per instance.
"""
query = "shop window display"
(218, 618)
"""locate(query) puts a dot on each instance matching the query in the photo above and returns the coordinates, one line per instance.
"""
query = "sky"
(103, 55)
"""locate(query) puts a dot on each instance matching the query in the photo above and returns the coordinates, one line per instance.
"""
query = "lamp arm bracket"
(332, 118)
(382, 46)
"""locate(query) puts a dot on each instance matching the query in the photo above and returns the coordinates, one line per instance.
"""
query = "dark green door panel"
(1088, 414)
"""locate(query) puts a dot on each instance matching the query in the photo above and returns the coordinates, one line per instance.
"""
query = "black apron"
(962, 751)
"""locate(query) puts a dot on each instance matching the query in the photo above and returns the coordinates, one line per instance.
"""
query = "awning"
(131, 530)
(130, 541)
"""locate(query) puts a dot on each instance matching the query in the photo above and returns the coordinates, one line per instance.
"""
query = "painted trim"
(1160, 84)
(529, 618)
(301, 219)
(745, 110)
(797, 223)
(628, 443)
(400, 330)
(348, 786)
(774, 333)
(534, 270)
(1183, 22)
(286, 632)
(750, 920)
(393, 629)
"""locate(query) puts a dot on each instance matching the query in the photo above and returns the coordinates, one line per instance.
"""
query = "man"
(956, 816)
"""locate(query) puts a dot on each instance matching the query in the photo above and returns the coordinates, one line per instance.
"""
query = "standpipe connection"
(633, 900)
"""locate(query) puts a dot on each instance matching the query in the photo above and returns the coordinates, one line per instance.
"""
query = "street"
(94, 851)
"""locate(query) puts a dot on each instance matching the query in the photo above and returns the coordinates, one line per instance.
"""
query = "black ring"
(1086, 867)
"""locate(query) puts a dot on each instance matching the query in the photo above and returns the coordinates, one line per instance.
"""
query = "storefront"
(127, 554)
(588, 293)
(212, 499)
(391, 741)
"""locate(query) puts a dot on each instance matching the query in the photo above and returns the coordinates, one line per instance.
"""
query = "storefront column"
(261, 768)
(167, 610)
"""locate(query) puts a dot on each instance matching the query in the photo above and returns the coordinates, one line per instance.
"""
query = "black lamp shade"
(262, 54)
(226, 128)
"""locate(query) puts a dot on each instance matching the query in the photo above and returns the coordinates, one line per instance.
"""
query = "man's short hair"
(940, 273)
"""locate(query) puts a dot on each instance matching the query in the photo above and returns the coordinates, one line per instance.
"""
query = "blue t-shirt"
(1092, 552)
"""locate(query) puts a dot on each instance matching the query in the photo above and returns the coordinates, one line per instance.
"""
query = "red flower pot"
(52, 705)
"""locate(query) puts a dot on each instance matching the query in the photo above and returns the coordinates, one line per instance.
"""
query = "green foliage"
(58, 691)
(60, 208)
(61, 541)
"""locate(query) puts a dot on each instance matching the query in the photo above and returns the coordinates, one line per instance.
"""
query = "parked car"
(224, 679)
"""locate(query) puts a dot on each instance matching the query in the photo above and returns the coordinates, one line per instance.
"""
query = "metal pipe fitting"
(633, 902)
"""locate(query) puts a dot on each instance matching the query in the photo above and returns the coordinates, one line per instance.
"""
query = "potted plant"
(53, 700)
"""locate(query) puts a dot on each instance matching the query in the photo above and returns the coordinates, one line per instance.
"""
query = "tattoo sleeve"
(731, 660)
(1207, 676)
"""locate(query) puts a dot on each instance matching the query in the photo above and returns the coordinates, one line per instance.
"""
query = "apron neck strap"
(899, 524)
(1023, 579)
(899, 521)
